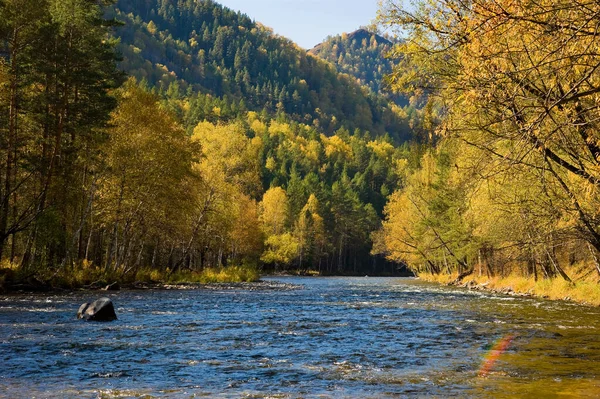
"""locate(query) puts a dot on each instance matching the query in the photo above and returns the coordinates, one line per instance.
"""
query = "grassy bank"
(583, 291)
(87, 276)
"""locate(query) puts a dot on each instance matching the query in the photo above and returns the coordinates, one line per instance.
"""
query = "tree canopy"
(514, 93)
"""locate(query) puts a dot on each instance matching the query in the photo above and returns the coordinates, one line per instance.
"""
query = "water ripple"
(330, 337)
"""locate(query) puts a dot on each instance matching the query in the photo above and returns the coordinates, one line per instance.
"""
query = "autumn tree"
(311, 234)
(516, 83)
(145, 193)
(226, 225)
(282, 247)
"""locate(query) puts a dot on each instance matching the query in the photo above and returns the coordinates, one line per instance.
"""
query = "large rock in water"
(100, 310)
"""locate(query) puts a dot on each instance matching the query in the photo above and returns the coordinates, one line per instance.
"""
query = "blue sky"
(308, 22)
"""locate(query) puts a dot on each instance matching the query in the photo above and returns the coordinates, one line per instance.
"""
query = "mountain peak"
(362, 33)
(358, 36)
(361, 54)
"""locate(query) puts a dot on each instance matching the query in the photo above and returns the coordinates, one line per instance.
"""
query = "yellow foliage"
(382, 149)
(335, 146)
(258, 127)
(231, 274)
(228, 152)
(281, 249)
(312, 151)
(274, 211)
(246, 235)
(280, 129)
(152, 29)
(516, 102)
(271, 164)
(586, 292)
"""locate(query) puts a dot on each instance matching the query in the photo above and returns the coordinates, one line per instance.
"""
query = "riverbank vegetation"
(85, 275)
(510, 184)
(584, 291)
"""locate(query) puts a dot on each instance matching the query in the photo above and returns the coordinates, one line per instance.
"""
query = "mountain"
(361, 54)
(185, 48)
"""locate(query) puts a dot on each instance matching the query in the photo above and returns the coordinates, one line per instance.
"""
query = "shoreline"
(95, 279)
(259, 285)
(77, 280)
(585, 293)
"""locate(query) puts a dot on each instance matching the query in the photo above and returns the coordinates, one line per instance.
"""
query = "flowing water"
(325, 338)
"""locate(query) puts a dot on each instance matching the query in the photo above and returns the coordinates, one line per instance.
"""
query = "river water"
(322, 338)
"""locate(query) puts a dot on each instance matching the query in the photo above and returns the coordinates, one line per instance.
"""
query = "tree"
(60, 68)
(310, 233)
(274, 211)
(236, 58)
(226, 227)
(22, 25)
(281, 249)
(516, 82)
(146, 191)
(425, 224)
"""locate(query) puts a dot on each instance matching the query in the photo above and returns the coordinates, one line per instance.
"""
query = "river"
(322, 338)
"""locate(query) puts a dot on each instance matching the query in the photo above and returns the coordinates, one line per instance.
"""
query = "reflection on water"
(335, 337)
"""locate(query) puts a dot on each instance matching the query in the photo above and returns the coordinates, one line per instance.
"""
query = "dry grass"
(585, 291)
(444, 278)
(230, 274)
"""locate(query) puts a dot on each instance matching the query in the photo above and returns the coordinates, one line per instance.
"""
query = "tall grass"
(229, 274)
(232, 274)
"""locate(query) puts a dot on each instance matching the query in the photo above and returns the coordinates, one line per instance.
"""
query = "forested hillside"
(369, 58)
(361, 54)
(188, 170)
(512, 185)
(189, 46)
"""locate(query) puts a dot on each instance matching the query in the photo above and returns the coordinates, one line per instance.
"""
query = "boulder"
(99, 310)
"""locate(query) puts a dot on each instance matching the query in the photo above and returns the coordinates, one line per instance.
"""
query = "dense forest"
(362, 54)
(107, 178)
(512, 182)
(194, 48)
(368, 58)
(182, 167)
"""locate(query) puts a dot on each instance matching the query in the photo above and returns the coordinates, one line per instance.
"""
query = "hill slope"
(201, 46)
(360, 54)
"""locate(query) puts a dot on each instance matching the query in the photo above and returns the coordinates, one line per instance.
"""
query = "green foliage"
(361, 54)
(56, 72)
(185, 47)
(324, 195)
(175, 177)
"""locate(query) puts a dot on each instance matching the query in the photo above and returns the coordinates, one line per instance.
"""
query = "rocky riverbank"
(259, 285)
(585, 292)
(90, 278)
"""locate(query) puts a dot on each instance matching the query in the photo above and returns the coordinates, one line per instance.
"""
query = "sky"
(308, 22)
